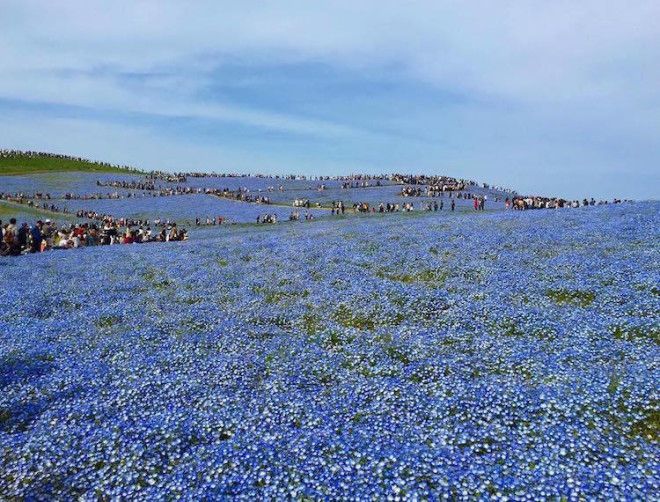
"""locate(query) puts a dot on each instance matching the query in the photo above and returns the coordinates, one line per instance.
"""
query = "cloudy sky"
(547, 97)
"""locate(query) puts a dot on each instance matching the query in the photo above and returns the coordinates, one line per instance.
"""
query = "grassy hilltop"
(12, 163)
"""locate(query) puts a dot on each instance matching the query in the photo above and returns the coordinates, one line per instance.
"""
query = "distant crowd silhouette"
(338, 207)
(430, 183)
(522, 203)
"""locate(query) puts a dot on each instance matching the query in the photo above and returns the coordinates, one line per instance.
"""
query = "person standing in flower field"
(22, 235)
(10, 245)
(10, 231)
(35, 233)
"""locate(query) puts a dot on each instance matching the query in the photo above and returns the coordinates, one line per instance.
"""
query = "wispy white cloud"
(540, 77)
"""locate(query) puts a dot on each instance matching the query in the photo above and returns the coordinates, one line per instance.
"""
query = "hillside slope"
(37, 162)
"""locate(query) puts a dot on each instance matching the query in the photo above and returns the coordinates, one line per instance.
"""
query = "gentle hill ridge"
(13, 162)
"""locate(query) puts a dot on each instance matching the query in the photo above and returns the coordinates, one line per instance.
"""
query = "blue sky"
(557, 98)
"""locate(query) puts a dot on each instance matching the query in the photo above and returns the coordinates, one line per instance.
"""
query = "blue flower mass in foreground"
(422, 355)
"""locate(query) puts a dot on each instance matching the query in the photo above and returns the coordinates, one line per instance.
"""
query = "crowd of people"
(149, 186)
(296, 216)
(347, 181)
(338, 207)
(52, 208)
(47, 206)
(433, 183)
(240, 194)
(439, 188)
(25, 198)
(302, 203)
(365, 207)
(45, 235)
(209, 221)
(127, 185)
(520, 203)
(346, 185)
(99, 196)
(432, 191)
(293, 216)
(479, 203)
(182, 177)
(167, 177)
(12, 196)
(267, 218)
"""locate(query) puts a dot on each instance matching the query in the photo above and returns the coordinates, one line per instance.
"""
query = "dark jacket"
(36, 233)
(22, 236)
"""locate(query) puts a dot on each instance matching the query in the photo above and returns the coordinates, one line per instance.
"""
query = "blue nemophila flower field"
(417, 355)
(60, 183)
